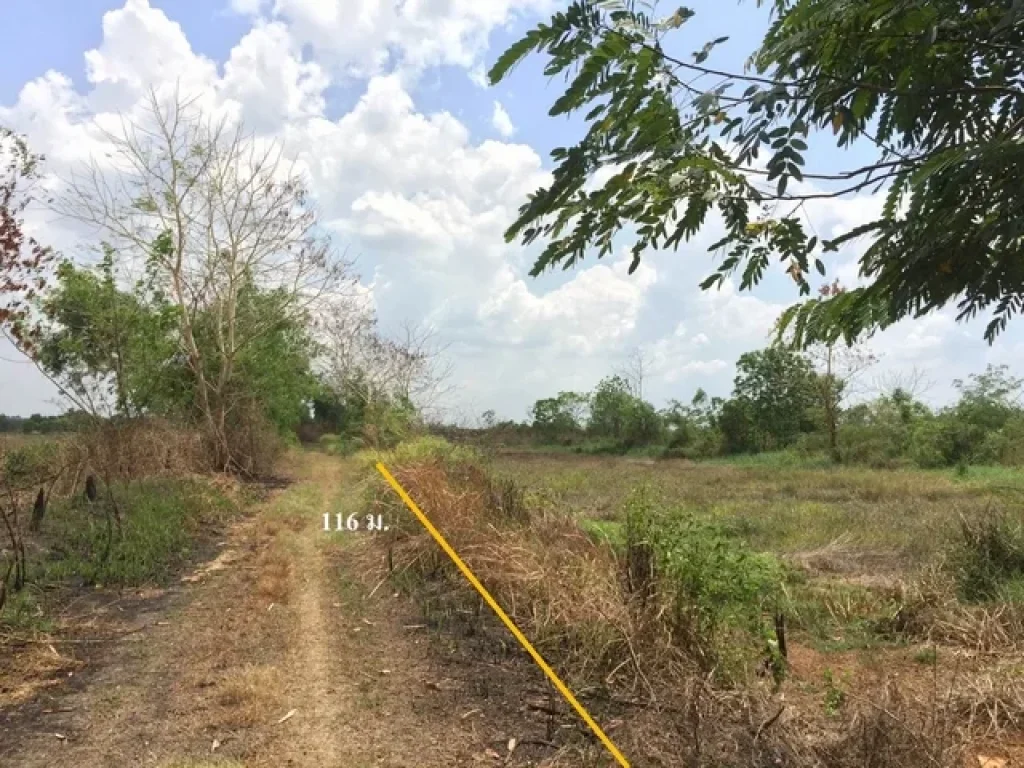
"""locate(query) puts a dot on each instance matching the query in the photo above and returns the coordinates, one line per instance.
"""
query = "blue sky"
(417, 174)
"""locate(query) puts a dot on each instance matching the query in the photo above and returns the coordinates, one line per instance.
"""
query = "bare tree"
(635, 370)
(914, 382)
(361, 362)
(211, 212)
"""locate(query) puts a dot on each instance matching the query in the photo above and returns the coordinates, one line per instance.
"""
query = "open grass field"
(859, 541)
(899, 594)
(656, 589)
(889, 521)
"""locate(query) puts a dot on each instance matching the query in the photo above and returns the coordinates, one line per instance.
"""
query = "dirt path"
(289, 651)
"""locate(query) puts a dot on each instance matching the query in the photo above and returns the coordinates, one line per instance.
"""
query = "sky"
(417, 167)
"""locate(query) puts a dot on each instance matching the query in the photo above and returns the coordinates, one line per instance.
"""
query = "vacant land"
(295, 646)
(894, 520)
(899, 597)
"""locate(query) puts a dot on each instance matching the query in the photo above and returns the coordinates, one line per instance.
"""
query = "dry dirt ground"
(287, 649)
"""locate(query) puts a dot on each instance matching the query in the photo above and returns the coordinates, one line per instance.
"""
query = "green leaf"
(861, 103)
(713, 280)
(514, 54)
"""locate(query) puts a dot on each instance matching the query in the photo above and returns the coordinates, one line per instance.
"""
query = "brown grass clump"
(546, 572)
(142, 448)
(249, 695)
(932, 612)
(274, 575)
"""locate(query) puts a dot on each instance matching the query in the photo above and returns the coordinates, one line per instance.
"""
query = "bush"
(694, 443)
(931, 444)
(875, 446)
(990, 554)
(417, 450)
(715, 585)
(337, 445)
(1005, 446)
(254, 443)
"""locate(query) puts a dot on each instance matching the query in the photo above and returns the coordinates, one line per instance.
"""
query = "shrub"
(254, 442)
(715, 585)
(989, 555)
(931, 444)
(418, 450)
(1004, 446)
(694, 443)
(338, 445)
(875, 445)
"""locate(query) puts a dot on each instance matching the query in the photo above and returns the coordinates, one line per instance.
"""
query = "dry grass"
(547, 573)
(933, 613)
(249, 695)
(910, 515)
(142, 448)
(275, 572)
(567, 591)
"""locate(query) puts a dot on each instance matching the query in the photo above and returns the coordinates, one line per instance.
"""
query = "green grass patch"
(23, 611)
(610, 532)
(836, 616)
(162, 519)
(417, 449)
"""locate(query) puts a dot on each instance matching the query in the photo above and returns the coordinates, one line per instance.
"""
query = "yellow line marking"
(503, 616)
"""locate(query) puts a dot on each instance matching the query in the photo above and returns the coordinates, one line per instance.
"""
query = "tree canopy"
(932, 88)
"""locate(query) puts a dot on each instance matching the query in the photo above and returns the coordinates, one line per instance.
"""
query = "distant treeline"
(44, 425)
(784, 400)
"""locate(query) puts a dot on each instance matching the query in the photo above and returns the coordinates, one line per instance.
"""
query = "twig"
(769, 722)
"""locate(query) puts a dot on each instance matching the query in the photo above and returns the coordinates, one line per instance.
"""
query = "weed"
(714, 582)
(834, 696)
(990, 554)
(163, 518)
(424, 448)
(23, 611)
(927, 656)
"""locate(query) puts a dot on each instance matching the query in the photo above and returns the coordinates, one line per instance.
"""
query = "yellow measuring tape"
(503, 616)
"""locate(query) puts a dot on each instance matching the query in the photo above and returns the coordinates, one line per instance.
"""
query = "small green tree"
(693, 429)
(773, 392)
(616, 413)
(838, 366)
(113, 349)
(560, 417)
(990, 399)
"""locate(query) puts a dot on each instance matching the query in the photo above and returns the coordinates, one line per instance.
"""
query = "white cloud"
(478, 76)
(675, 358)
(731, 315)
(141, 46)
(501, 121)
(265, 74)
(596, 310)
(362, 37)
(247, 7)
